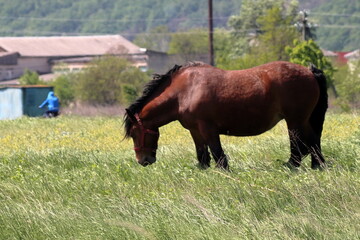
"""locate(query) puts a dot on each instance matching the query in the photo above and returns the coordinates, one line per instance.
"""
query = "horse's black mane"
(149, 89)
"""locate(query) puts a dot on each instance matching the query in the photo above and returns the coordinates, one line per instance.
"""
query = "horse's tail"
(318, 115)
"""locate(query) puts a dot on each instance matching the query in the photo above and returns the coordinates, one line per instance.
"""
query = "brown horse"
(209, 101)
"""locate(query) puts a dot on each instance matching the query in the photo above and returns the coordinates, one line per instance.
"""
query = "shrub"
(307, 52)
(30, 78)
(64, 88)
(103, 82)
(347, 81)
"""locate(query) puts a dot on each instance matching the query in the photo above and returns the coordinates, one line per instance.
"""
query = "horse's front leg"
(212, 139)
(202, 152)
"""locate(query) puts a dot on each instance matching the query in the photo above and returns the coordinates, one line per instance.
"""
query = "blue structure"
(16, 101)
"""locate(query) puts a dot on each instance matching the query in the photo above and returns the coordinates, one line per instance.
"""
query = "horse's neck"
(160, 110)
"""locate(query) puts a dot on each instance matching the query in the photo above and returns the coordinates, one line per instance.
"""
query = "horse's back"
(250, 101)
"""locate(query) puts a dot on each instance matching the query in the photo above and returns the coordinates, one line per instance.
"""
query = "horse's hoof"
(321, 166)
(203, 166)
(291, 166)
(226, 168)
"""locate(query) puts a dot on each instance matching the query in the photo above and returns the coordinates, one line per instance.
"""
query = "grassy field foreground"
(74, 178)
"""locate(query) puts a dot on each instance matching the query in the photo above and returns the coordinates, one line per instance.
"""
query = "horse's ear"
(130, 115)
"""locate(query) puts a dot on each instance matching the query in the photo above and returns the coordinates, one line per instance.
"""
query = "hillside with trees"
(339, 25)
(338, 20)
(128, 17)
(259, 32)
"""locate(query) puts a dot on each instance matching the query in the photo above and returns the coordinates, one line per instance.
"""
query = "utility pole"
(307, 28)
(211, 34)
(304, 22)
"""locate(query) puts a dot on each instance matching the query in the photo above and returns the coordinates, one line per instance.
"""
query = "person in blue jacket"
(52, 103)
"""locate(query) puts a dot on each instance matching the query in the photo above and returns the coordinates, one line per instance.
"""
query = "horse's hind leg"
(317, 159)
(298, 147)
(304, 140)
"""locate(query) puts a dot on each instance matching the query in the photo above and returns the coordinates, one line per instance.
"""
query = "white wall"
(11, 106)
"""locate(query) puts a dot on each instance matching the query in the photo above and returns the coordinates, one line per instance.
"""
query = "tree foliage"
(223, 47)
(277, 32)
(308, 52)
(157, 39)
(64, 88)
(249, 23)
(35, 17)
(271, 30)
(30, 78)
(339, 25)
(338, 19)
(347, 81)
(189, 44)
(108, 81)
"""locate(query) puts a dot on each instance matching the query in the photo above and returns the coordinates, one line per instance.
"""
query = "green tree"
(347, 81)
(190, 44)
(246, 26)
(223, 44)
(103, 82)
(64, 88)
(342, 19)
(157, 39)
(339, 17)
(30, 78)
(129, 92)
(277, 32)
(274, 31)
(307, 52)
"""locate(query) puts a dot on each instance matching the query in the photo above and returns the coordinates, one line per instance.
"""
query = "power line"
(107, 20)
(339, 26)
(335, 14)
(32, 32)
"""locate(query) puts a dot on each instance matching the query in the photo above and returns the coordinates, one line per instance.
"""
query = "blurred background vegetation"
(247, 33)
(338, 19)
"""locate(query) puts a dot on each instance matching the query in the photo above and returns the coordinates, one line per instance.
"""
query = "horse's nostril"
(146, 161)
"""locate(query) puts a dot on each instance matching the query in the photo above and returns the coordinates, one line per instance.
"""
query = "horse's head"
(145, 139)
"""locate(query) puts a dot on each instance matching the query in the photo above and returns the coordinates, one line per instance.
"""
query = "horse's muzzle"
(145, 161)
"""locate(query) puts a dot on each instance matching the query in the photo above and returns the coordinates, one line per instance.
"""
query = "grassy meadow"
(75, 178)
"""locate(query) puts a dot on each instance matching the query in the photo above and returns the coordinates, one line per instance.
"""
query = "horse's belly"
(244, 127)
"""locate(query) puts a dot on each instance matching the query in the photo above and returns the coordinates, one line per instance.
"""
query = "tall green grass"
(74, 178)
